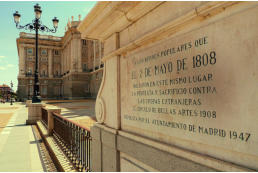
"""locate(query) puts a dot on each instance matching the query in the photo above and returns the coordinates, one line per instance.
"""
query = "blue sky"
(9, 33)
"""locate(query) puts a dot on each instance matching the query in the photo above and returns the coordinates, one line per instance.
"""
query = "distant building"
(5, 91)
(69, 67)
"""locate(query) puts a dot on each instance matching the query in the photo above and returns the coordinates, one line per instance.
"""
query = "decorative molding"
(113, 17)
(100, 110)
(172, 27)
(100, 106)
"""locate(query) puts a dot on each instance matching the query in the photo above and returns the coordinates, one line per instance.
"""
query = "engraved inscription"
(172, 83)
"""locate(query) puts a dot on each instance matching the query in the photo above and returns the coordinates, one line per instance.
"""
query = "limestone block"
(28, 102)
(34, 112)
(158, 17)
(130, 164)
(111, 44)
(107, 99)
(110, 159)
(50, 112)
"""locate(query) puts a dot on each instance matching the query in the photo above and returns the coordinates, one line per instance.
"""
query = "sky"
(8, 32)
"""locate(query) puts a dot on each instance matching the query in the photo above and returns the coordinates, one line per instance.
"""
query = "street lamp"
(35, 25)
(11, 92)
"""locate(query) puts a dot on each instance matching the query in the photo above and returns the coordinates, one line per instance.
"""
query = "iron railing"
(44, 117)
(75, 141)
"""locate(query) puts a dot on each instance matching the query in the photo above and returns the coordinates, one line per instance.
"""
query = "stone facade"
(68, 65)
(179, 89)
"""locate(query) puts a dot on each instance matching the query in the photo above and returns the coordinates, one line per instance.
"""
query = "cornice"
(107, 18)
(41, 42)
(181, 24)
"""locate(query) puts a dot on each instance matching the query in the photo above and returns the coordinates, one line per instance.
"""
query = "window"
(29, 70)
(84, 67)
(30, 81)
(29, 51)
(56, 52)
(44, 90)
(43, 52)
(31, 90)
(43, 58)
(83, 42)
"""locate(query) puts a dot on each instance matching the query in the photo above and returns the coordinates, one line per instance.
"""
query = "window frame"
(56, 52)
(43, 50)
(28, 52)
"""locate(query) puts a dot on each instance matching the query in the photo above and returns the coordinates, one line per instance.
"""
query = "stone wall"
(76, 86)
(179, 86)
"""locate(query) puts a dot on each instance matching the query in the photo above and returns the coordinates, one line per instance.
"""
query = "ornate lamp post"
(35, 25)
(11, 92)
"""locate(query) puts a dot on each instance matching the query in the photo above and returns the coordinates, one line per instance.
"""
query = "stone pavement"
(18, 147)
(79, 111)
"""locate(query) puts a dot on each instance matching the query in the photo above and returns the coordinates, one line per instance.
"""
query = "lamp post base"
(36, 99)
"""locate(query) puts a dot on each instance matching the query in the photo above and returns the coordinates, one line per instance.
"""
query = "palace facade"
(69, 67)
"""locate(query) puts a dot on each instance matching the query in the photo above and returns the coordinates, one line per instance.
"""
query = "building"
(69, 66)
(158, 57)
(5, 91)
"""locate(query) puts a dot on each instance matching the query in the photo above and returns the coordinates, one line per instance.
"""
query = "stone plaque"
(198, 90)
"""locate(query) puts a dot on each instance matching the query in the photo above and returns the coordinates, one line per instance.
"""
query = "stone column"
(50, 63)
(100, 52)
(61, 62)
(65, 55)
(72, 55)
(69, 58)
(94, 54)
(76, 54)
(22, 69)
(79, 55)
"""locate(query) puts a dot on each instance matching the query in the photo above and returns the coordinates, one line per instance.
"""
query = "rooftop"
(4, 85)
(42, 37)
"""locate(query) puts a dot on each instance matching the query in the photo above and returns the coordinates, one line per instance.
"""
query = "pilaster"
(79, 55)
(21, 61)
(50, 62)
(94, 54)
(108, 110)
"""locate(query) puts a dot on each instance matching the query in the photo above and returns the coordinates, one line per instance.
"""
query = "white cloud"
(10, 65)
(2, 68)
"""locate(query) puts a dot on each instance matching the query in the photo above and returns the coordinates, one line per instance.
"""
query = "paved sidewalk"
(18, 148)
